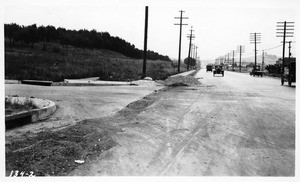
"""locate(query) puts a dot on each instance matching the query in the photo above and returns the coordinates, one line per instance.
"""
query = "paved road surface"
(235, 125)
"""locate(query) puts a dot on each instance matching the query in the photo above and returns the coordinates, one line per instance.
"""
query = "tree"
(192, 61)
(51, 34)
(82, 38)
(31, 34)
(11, 31)
(63, 37)
(42, 33)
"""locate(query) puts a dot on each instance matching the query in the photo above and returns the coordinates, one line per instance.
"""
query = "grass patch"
(57, 64)
(14, 107)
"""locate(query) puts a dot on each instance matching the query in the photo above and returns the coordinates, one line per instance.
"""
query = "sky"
(219, 25)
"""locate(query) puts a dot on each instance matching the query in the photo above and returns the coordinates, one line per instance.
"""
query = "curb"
(44, 109)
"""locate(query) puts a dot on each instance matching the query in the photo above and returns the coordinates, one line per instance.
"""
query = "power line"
(249, 54)
(273, 47)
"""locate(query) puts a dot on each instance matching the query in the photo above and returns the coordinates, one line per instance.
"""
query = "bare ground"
(53, 153)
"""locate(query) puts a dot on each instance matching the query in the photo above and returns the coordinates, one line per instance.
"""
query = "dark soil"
(53, 153)
(182, 81)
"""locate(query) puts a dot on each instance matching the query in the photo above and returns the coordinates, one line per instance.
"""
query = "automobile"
(209, 68)
(256, 71)
(218, 70)
(289, 73)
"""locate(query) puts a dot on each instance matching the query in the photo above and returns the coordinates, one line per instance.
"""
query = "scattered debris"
(79, 161)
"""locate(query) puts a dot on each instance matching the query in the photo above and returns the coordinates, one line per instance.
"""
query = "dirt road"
(235, 125)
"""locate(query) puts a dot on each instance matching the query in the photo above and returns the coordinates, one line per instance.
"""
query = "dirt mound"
(146, 83)
(182, 81)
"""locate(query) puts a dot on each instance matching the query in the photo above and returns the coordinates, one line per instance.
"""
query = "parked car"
(289, 73)
(256, 71)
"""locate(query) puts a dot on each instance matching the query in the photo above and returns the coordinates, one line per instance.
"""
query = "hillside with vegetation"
(47, 53)
(80, 39)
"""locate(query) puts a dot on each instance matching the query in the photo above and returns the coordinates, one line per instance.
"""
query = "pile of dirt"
(146, 83)
(55, 153)
(182, 81)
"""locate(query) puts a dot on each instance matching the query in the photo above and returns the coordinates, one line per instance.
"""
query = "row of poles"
(240, 50)
(191, 36)
(284, 30)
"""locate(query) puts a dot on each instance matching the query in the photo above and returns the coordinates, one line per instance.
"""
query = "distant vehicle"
(218, 70)
(289, 73)
(209, 68)
(256, 71)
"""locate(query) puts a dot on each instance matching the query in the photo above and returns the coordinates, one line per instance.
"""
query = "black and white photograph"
(193, 90)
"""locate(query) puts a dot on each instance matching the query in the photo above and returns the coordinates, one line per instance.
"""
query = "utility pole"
(290, 51)
(145, 42)
(190, 44)
(192, 55)
(288, 27)
(228, 60)
(192, 51)
(241, 49)
(263, 61)
(196, 52)
(255, 38)
(180, 24)
(233, 60)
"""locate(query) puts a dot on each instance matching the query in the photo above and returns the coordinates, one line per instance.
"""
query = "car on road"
(256, 71)
(289, 73)
(209, 68)
(218, 70)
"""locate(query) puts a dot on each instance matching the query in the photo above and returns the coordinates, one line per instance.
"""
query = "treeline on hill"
(81, 39)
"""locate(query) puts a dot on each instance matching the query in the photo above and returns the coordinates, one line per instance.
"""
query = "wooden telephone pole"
(241, 49)
(180, 32)
(191, 36)
(256, 39)
(288, 28)
(145, 42)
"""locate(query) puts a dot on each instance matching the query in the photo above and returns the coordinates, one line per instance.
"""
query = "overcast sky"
(220, 25)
